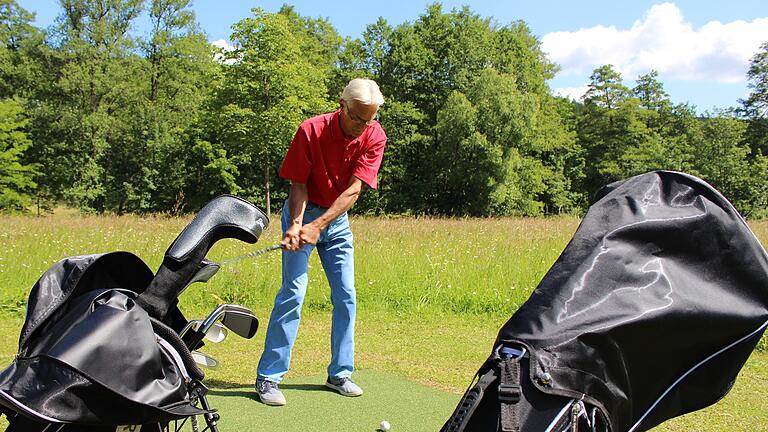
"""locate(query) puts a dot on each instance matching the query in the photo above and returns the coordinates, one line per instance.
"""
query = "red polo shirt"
(324, 159)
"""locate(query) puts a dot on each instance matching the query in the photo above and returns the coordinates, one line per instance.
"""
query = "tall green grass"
(404, 266)
(415, 265)
(432, 295)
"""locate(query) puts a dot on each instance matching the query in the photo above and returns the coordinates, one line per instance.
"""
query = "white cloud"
(225, 46)
(573, 93)
(664, 41)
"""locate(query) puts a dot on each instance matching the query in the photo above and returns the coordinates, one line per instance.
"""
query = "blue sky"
(700, 48)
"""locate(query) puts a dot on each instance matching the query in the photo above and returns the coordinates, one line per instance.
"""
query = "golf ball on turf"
(384, 426)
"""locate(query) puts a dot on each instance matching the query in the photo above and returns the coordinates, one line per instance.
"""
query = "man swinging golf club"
(329, 159)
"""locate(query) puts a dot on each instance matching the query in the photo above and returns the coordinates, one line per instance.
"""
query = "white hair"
(364, 91)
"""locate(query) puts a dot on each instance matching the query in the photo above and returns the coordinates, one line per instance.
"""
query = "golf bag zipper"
(24, 408)
(175, 356)
(689, 371)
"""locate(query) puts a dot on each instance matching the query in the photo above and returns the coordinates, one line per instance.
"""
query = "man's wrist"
(317, 223)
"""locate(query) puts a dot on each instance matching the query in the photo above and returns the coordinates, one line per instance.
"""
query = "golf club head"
(237, 308)
(206, 270)
(243, 323)
(237, 318)
(191, 326)
(205, 360)
(216, 333)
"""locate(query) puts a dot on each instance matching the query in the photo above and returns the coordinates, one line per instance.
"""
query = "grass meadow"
(432, 293)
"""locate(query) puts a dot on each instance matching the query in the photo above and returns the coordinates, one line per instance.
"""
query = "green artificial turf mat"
(312, 407)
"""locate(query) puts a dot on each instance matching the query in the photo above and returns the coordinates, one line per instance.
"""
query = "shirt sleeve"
(298, 161)
(368, 164)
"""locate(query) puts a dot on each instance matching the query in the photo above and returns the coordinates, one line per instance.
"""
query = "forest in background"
(98, 118)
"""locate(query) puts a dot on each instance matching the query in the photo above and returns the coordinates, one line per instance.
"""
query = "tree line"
(96, 117)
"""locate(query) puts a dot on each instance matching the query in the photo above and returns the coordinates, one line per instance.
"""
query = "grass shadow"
(251, 394)
(221, 384)
(228, 388)
(305, 387)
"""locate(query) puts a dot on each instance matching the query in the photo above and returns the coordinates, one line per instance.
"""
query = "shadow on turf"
(306, 387)
(238, 393)
(227, 388)
(219, 384)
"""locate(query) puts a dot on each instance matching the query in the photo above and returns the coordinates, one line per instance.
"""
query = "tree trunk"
(266, 188)
(154, 81)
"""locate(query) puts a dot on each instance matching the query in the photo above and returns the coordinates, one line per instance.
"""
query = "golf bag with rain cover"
(100, 348)
(649, 313)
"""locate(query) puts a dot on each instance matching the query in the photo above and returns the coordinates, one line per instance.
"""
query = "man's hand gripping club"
(298, 235)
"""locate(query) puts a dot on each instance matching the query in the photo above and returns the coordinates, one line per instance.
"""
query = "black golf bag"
(649, 313)
(100, 348)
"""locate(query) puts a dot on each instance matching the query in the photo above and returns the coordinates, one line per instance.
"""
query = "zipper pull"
(576, 410)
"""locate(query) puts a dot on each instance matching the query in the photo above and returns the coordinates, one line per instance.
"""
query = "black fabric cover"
(652, 308)
(88, 354)
(75, 275)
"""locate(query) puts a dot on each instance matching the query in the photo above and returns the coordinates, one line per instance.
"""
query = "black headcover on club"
(225, 216)
(649, 313)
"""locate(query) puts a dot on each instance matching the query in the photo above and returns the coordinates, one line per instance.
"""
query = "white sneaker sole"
(278, 402)
(341, 391)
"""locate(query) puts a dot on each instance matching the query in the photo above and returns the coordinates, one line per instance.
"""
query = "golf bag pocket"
(509, 397)
(100, 363)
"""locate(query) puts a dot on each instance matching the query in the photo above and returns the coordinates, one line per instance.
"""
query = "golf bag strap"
(509, 394)
(469, 402)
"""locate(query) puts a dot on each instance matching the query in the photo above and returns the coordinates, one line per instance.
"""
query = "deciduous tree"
(270, 87)
(16, 178)
(755, 106)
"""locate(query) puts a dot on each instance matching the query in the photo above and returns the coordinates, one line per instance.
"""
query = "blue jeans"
(337, 257)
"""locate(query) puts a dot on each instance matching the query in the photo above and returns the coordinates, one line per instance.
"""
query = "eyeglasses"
(357, 120)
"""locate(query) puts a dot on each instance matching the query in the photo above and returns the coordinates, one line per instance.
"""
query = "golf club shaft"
(252, 254)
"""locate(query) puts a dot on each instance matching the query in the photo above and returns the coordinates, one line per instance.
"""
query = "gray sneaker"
(269, 393)
(344, 385)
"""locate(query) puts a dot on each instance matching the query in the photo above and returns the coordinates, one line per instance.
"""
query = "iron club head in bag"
(205, 360)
